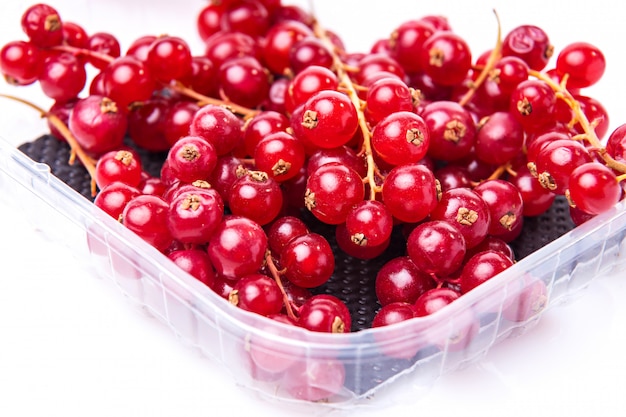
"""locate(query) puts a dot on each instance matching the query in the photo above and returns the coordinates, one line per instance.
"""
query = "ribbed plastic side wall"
(377, 364)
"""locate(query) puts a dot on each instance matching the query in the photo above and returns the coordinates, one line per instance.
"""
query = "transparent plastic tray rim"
(35, 176)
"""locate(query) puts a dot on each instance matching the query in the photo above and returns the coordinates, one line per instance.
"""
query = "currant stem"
(351, 90)
(84, 52)
(203, 100)
(494, 57)
(276, 275)
(579, 115)
(498, 172)
(87, 161)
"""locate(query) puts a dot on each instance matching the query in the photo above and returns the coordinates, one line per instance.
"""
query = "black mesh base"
(353, 280)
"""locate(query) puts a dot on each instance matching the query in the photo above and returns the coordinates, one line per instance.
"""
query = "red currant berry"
(465, 210)
(193, 216)
(374, 63)
(20, 62)
(257, 293)
(453, 176)
(237, 247)
(208, 21)
(286, 12)
(351, 248)
(536, 199)
(329, 119)
(556, 161)
(113, 198)
(446, 58)
(505, 205)
(309, 52)
(42, 24)
(369, 223)
(325, 313)
(583, 63)
(267, 356)
(203, 76)
(536, 142)
(308, 260)
(528, 301)
(400, 280)
(225, 45)
(308, 82)
(280, 155)
(331, 191)
(279, 41)
(227, 169)
(103, 43)
(386, 96)
(62, 77)
(122, 166)
(533, 103)
(452, 130)
(407, 42)
(261, 125)
(146, 215)
(177, 119)
(152, 186)
(439, 22)
(169, 58)
(315, 380)
(616, 143)
(222, 286)
(430, 91)
(283, 230)
(482, 267)
(75, 35)
(244, 81)
(494, 244)
(277, 96)
(530, 43)
(393, 313)
(139, 47)
(249, 17)
(296, 296)
(410, 192)
(511, 71)
(593, 188)
(343, 154)
(196, 263)
(436, 247)
(434, 300)
(126, 81)
(218, 126)
(256, 196)
(499, 138)
(463, 327)
(401, 138)
(97, 124)
(596, 114)
(146, 125)
(191, 158)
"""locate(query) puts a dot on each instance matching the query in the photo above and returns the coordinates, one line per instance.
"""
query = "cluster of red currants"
(275, 117)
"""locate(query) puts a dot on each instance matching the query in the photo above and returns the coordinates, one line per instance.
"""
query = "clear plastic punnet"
(416, 352)
(280, 361)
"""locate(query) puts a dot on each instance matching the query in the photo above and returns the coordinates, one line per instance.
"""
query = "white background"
(71, 344)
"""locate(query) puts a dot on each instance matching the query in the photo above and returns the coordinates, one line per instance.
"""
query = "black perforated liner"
(353, 280)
